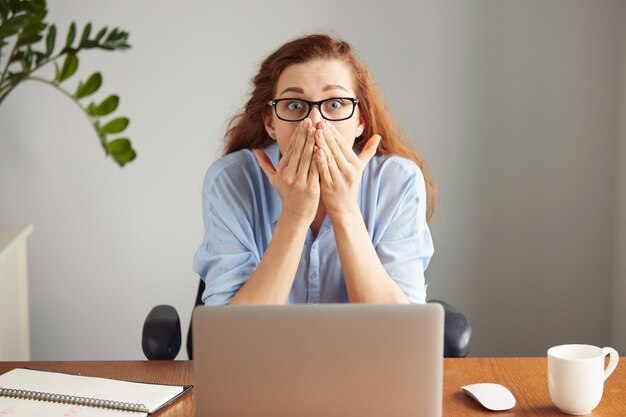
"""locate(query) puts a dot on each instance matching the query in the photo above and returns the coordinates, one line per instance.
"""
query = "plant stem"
(76, 101)
(45, 62)
(58, 87)
(6, 67)
(6, 86)
(4, 91)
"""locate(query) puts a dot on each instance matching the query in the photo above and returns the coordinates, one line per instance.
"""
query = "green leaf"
(112, 35)
(4, 9)
(124, 157)
(17, 56)
(108, 106)
(37, 7)
(92, 85)
(27, 39)
(50, 39)
(22, 6)
(33, 30)
(100, 34)
(89, 44)
(57, 71)
(13, 26)
(34, 26)
(27, 60)
(71, 35)
(70, 65)
(85, 36)
(116, 125)
(121, 150)
(39, 57)
(118, 146)
(116, 39)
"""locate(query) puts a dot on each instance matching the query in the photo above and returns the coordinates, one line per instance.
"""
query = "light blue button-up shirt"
(241, 208)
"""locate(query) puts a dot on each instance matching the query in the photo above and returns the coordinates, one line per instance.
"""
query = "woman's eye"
(334, 104)
(295, 105)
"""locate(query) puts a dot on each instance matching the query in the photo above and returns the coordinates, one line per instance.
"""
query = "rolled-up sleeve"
(405, 244)
(224, 266)
(228, 255)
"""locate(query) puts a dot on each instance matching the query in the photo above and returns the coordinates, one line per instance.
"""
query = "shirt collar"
(273, 153)
(276, 206)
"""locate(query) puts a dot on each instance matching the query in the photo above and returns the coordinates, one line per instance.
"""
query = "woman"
(318, 199)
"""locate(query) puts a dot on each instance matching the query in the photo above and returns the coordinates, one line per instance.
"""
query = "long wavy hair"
(247, 130)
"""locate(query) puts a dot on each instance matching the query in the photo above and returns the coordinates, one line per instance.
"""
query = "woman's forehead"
(315, 77)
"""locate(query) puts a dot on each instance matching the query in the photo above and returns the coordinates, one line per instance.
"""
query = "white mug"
(576, 376)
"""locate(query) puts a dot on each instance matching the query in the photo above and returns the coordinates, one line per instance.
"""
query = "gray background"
(519, 107)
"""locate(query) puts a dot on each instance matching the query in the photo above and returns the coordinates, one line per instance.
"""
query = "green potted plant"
(31, 45)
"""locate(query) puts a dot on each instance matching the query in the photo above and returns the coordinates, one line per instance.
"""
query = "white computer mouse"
(493, 397)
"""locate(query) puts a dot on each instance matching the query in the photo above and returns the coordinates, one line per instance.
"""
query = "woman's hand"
(340, 169)
(296, 178)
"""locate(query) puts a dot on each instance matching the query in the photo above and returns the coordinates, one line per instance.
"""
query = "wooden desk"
(525, 377)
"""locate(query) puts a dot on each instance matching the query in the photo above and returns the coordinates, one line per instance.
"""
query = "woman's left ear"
(269, 128)
(360, 127)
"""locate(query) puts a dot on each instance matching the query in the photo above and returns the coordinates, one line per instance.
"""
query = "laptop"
(322, 360)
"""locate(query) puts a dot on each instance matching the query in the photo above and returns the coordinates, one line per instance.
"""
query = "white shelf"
(14, 320)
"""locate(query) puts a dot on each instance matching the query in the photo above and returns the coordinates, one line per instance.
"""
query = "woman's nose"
(315, 115)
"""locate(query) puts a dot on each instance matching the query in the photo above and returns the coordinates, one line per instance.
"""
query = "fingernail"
(304, 123)
(326, 124)
(309, 132)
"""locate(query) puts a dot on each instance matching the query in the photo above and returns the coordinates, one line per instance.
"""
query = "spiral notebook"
(29, 392)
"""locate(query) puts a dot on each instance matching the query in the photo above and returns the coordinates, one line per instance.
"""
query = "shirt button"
(314, 275)
(315, 246)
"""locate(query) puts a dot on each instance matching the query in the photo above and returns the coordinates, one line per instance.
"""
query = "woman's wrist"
(293, 221)
(348, 216)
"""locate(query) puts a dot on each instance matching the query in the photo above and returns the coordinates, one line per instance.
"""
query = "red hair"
(247, 129)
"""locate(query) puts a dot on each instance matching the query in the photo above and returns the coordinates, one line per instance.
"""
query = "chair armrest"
(457, 332)
(161, 336)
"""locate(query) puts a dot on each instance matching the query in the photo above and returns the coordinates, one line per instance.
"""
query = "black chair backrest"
(189, 335)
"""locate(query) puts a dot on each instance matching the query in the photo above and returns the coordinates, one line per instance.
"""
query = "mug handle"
(612, 361)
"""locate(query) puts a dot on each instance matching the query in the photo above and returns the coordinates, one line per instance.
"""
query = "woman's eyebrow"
(301, 91)
(292, 90)
(335, 87)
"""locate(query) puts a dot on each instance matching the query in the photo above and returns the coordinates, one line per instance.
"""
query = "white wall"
(514, 103)
(528, 91)
(619, 273)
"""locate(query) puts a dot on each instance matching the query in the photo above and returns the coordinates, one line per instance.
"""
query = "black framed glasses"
(332, 109)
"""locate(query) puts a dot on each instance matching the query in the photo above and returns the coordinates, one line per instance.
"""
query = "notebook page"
(150, 395)
(14, 407)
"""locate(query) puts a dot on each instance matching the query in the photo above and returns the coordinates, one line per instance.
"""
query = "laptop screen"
(319, 360)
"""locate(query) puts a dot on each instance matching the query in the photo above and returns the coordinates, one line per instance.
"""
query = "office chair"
(161, 336)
